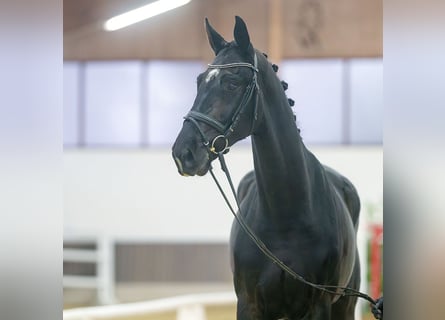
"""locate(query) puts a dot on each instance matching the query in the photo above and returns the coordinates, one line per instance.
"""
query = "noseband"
(225, 130)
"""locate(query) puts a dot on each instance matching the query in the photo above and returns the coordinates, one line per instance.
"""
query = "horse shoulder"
(347, 191)
(245, 185)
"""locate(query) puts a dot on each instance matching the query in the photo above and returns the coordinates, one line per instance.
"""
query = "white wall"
(138, 194)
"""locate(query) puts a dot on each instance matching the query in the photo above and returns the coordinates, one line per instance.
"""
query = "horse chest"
(250, 264)
(302, 249)
(286, 237)
(262, 285)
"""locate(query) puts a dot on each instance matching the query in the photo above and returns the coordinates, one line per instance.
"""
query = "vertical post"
(105, 271)
(81, 107)
(362, 240)
(346, 103)
(143, 106)
(376, 260)
(275, 35)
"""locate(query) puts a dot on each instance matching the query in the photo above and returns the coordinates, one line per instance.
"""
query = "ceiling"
(283, 28)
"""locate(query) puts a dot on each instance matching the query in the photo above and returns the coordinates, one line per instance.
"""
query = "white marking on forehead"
(212, 74)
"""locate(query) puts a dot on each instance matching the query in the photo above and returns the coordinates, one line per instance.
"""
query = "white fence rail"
(102, 257)
(187, 307)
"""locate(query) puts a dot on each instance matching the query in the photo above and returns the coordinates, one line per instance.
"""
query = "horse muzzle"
(190, 163)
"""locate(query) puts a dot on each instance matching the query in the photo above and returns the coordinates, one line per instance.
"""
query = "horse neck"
(280, 157)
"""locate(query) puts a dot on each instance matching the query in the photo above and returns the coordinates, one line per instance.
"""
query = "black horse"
(305, 213)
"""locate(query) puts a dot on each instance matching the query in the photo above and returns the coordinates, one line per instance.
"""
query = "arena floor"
(213, 313)
(142, 292)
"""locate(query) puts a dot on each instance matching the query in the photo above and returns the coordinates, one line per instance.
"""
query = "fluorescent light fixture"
(142, 13)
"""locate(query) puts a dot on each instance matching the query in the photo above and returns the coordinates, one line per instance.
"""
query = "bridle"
(224, 130)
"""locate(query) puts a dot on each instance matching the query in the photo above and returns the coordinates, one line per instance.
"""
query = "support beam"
(275, 44)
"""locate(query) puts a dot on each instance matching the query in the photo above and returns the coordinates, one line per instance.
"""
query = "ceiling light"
(142, 13)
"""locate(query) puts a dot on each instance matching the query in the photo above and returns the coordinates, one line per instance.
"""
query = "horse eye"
(232, 85)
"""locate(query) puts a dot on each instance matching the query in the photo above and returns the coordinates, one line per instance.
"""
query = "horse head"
(225, 105)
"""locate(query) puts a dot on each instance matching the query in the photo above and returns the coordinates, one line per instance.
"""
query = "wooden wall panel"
(221, 15)
(341, 28)
(198, 262)
(285, 28)
(173, 35)
(162, 262)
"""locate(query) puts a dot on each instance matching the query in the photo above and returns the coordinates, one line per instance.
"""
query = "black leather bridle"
(224, 130)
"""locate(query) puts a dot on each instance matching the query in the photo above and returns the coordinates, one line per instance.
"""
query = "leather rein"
(224, 131)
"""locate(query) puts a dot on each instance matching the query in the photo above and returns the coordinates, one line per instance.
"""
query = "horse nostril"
(188, 156)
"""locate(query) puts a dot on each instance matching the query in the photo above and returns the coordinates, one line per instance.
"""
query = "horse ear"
(241, 35)
(216, 41)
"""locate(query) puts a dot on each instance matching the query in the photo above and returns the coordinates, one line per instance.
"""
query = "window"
(366, 99)
(317, 88)
(112, 103)
(140, 103)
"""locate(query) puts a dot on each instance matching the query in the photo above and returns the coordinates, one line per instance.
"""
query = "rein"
(346, 291)
(195, 117)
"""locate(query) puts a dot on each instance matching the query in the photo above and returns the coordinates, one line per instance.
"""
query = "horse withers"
(304, 212)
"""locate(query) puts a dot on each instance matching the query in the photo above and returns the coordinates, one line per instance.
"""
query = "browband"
(233, 65)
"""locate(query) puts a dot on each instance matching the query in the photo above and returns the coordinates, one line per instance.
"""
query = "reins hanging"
(346, 291)
(195, 117)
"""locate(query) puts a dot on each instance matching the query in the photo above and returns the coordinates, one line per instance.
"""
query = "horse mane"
(285, 86)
